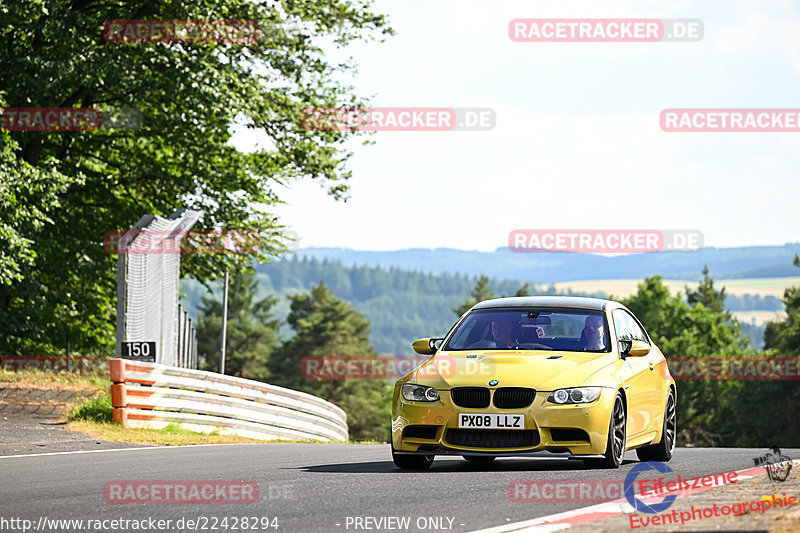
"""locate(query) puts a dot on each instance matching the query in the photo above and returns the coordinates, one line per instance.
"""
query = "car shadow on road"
(459, 465)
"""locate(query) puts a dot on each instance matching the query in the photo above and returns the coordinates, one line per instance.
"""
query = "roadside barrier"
(152, 395)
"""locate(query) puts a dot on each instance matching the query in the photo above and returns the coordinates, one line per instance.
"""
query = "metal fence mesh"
(149, 290)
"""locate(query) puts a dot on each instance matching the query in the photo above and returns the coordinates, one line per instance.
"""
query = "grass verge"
(172, 435)
(94, 409)
(36, 378)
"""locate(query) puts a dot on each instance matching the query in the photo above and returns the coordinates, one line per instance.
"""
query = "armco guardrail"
(151, 395)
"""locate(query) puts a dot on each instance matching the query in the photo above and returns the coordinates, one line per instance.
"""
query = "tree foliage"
(784, 337)
(723, 413)
(479, 293)
(251, 332)
(482, 291)
(326, 325)
(706, 294)
(682, 329)
(80, 185)
(768, 411)
(27, 193)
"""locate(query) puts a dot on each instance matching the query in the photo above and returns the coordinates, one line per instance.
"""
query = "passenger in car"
(593, 336)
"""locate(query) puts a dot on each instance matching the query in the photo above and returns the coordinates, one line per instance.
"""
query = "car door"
(654, 388)
(636, 375)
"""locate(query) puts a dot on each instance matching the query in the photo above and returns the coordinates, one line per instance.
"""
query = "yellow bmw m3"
(526, 375)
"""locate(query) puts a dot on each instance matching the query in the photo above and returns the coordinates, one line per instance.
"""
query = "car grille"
(493, 438)
(471, 397)
(513, 397)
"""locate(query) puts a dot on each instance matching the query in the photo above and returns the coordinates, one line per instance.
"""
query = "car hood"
(538, 369)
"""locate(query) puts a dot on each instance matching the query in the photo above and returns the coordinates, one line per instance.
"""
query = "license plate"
(491, 421)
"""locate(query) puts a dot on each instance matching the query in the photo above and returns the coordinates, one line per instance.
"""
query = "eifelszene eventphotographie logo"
(630, 495)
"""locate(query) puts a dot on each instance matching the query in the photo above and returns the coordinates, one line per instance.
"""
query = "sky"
(577, 142)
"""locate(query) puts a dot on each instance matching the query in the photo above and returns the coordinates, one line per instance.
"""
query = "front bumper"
(432, 428)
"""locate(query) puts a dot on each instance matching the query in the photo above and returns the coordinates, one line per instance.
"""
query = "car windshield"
(575, 330)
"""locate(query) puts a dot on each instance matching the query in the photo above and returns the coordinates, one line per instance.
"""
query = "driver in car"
(501, 332)
(593, 336)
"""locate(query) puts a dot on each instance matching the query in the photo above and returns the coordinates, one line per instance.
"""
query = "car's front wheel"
(407, 461)
(615, 445)
(663, 450)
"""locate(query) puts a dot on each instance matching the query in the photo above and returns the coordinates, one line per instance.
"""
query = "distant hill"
(743, 262)
(402, 304)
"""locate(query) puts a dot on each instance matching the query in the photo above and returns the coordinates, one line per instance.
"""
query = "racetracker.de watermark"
(615, 241)
(585, 491)
(181, 242)
(587, 30)
(399, 119)
(564, 490)
(180, 492)
(735, 368)
(64, 119)
(208, 31)
(55, 364)
(188, 31)
(372, 367)
(730, 120)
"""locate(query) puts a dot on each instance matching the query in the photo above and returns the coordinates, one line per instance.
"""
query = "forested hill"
(725, 263)
(402, 305)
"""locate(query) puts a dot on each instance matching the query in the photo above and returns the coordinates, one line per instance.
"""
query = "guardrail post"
(117, 370)
(119, 396)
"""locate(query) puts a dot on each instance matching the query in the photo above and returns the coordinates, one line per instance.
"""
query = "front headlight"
(576, 395)
(420, 393)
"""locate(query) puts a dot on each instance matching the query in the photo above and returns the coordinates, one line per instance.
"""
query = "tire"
(479, 459)
(615, 445)
(405, 461)
(663, 450)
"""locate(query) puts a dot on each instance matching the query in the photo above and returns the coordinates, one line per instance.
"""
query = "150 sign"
(139, 351)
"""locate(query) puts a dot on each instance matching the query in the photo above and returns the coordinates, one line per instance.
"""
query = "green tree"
(728, 413)
(769, 410)
(482, 291)
(29, 195)
(251, 333)
(524, 290)
(479, 293)
(325, 325)
(683, 330)
(190, 97)
(707, 295)
(784, 337)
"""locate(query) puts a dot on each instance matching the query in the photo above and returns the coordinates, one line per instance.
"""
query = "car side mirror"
(634, 348)
(426, 346)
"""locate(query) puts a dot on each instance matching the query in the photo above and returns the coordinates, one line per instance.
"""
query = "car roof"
(579, 302)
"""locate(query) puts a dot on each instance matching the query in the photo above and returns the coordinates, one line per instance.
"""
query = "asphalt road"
(32, 419)
(312, 487)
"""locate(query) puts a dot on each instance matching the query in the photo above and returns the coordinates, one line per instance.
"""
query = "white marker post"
(224, 324)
